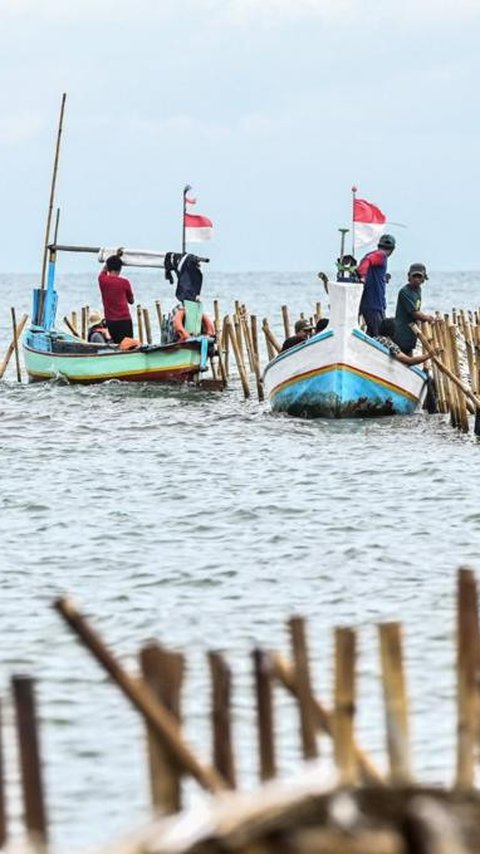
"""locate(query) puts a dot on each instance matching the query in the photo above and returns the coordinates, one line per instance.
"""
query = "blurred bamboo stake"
(302, 670)
(221, 677)
(15, 346)
(265, 725)
(85, 322)
(395, 697)
(285, 673)
(30, 761)
(225, 345)
(162, 671)
(3, 812)
(141, 698)
(11, 347)
(468, 651)
(74, 321)
(344, 742)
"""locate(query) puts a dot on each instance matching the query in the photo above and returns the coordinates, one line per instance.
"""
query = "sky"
(270, 109)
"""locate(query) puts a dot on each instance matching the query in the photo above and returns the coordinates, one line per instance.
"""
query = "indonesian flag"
(369, 222)
(197, 228)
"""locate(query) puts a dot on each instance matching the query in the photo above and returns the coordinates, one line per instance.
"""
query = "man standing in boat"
(373, 273)
(117, 296)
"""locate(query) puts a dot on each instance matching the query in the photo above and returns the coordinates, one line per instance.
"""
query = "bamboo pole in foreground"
(285, 673)
(265, 714)
(15, 346)
(162, 721)
(396, 706)
(302, 669)
(29, 752)
(468, 651)
(345, 754)
(11, 347)
(162, 672)
(221, 678)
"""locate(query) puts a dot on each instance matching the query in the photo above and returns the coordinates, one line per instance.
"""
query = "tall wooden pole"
(52, 190)
(30, 762)
(186, 189)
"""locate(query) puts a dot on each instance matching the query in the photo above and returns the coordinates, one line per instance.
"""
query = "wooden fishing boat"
(51, 353)
(342, 372)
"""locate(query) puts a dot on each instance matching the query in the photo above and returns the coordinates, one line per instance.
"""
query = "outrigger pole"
(186, 189)
(52, 192)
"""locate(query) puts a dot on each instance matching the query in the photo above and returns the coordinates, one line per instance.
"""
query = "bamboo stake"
(84, 322)
(30, 762)
(141, 335)
(74, 322)
(270, 336)
(446, 370)
(468, 650)
(141, 698)
(15, 346)
(225, 346)
(302, 669)
(52, 191)
(270, 349)
(238, 359)
(11, 347)
(163, 672)
(237, 332)
(158, 307)
(324, 720)
(221, 677)
(216, 315)
(70, 327)
(345, 754)
(256, 357)
(462, 408)
(147, 325)
(286, 321)
(3, 812)
(396, 707)
(263, 691)
(248, 341)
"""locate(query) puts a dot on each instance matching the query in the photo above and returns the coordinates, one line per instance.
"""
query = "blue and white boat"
(342, 372)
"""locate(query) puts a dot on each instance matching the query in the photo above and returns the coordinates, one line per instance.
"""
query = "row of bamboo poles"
(156, 695)
(453, 340)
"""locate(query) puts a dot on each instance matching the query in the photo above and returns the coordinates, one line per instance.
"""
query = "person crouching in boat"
(117, 296)
(386, 337)
(303, 330)
(97, 329)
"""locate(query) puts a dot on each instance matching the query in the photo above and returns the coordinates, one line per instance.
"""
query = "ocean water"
(205, 522)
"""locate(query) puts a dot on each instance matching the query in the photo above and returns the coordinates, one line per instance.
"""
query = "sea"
(205, 522)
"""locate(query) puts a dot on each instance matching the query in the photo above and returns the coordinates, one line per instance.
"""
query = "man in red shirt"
(116, 294)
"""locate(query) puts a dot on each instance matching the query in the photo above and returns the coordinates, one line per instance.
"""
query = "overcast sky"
(271, 109)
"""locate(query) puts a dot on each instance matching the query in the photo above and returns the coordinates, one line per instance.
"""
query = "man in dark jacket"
(303, 330)
(408, 311)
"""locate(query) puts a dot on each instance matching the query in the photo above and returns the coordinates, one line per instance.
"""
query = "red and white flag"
(369, 223)
(197, 228)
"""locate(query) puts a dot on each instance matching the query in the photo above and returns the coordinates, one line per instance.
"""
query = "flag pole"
(186, 189)
(354, 193)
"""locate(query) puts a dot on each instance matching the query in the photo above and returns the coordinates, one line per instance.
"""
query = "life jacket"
(208, 327)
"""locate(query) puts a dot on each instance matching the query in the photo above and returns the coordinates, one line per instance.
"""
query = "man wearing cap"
(303, 330)
(372, 270)
(408, 311)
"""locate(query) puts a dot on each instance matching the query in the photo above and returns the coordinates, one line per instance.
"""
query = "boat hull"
(342, 374)
(169, 364)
